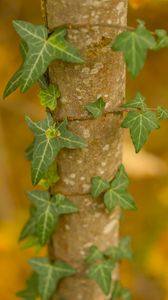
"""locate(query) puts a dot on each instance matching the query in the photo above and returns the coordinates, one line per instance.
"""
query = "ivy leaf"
(31, 293)
(49, 140)
(134, 45)
(137, 102)
(14, 82)
(49, 96)
(48, 210)
(94, 255)
(42, 50)
(122, 251)
(120, 180)
(162, 113)
(29, 228)
(98, 186)
(162, 39)
(46, 217)
(96, 108)
(117, 195)
(49, 274)
(29, 151)
(140, 125)
(102, 273)
(119, 292)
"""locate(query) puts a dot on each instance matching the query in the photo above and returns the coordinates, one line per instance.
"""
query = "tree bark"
(103, 74)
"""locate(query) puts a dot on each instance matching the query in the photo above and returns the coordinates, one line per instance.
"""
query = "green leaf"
(98, 186)
(134, 45)
(29, 228)
(42, 50)
(122, 251)
(94, 255)
(117, 195)
(31, 292)
(14, 82)
(120, 180)
(162, 39)
(120, 198)
(49, 275)
(46, 217)
(119, 292)
(49, 96)
(50, 177)
(162, 113)
(102, 273)
(137, 102)
(140, 125)
(29, 151)
(48, 210)
(96, 108)
(49, 140)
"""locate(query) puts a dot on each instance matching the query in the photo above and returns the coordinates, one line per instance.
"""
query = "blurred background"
(147, 275)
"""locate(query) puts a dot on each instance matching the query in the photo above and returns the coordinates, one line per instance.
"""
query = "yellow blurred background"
(147, 275)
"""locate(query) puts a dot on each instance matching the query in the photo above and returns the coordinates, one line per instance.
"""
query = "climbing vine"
(38, 49)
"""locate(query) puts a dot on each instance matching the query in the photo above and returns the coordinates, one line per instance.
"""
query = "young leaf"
(49, 96)
(49, 140)
(119, 292)
(49, 274)
(96, 108)
(134, 45)
(162, 113)
(117, 195)
(102, 273)
(42, 50)
(94, 255)
(137, 102)
(140, 125)
(98, 186)
(31, 292)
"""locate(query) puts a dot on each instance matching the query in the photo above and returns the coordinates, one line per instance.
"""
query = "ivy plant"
(38, 49)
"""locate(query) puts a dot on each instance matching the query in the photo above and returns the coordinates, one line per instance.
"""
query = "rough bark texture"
(103, 74)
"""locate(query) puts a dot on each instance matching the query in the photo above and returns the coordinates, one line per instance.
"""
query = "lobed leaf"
(140, 125)
(42, 50)
(49, 140)
(102, 273)
(134, 45)
(50, 274)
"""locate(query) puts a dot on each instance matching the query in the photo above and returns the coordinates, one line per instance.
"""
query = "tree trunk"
(103, 74)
